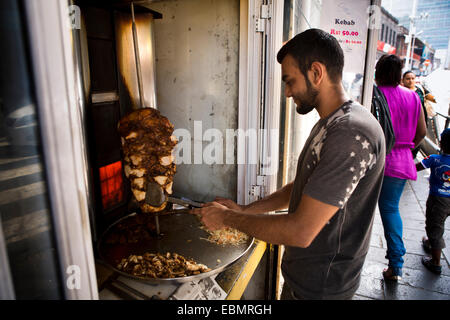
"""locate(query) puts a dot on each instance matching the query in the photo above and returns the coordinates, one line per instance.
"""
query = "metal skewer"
(157, 224)
(139, 80)
(137, 58)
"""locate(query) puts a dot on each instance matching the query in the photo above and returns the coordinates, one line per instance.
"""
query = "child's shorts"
(438, 209)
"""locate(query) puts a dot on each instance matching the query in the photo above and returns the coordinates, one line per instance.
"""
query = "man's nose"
(287, 92)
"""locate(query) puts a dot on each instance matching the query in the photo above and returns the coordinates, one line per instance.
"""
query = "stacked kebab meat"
(147, 144)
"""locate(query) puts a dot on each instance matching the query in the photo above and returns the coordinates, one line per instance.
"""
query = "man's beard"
(304, 108)
(307, 102)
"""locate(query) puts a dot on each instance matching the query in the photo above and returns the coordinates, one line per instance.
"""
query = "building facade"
(387, 41)
(394, 38)
(436, 27)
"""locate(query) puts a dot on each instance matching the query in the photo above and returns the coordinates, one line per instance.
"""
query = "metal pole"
(373, 33)
(412, 51)
(137, 57)
(408, 50)
(158, 231)
(139, 79)
(411, 32)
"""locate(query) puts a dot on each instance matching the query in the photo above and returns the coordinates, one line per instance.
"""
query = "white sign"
(204, 289)
(347, 21)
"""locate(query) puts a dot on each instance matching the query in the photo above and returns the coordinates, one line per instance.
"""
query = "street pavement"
(417, 282)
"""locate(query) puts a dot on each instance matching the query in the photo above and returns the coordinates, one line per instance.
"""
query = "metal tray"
(180, 233)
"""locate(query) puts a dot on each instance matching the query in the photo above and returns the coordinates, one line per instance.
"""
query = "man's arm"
(345, 157)
(278, 200)
(296, 229)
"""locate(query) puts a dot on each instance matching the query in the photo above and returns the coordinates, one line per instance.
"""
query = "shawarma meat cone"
(147, 144)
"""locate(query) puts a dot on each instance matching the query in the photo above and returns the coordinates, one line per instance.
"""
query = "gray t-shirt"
(341, 164)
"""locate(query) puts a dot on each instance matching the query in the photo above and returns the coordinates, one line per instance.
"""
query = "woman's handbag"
(380, 110)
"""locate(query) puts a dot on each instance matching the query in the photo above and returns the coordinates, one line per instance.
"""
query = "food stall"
(181, 58)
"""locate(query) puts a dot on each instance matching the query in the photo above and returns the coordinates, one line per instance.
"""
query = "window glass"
(24, 208)
(300, 15)
(294, 130)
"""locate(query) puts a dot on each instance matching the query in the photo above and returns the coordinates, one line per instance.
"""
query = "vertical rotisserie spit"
(147, 144)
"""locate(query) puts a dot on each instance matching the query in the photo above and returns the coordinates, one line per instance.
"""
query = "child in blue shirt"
(438, 203)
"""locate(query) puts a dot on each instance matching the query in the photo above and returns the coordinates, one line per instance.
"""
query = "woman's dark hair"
(409, 71)
(445, 141)
(388, 71)
(315, 45)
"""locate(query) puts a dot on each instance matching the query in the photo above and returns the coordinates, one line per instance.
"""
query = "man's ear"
(317, 72)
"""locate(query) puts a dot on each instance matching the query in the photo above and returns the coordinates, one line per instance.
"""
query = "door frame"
(7, 287)
(259, 93)
(64, 151)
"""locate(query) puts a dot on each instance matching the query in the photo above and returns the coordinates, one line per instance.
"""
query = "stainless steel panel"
(197, 73)
(83, 90)
(126, 59)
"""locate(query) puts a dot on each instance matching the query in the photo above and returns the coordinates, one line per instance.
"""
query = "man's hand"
(230, 204)
(212, 215)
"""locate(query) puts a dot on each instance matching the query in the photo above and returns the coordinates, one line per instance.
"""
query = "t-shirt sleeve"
(344, 159)
(428, 161)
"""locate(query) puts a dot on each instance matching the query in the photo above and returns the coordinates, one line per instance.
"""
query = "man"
(333, 197)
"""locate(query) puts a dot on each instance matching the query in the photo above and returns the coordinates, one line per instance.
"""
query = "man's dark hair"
(445, 141)
(315, 45)
(407, 72)
(388, 71)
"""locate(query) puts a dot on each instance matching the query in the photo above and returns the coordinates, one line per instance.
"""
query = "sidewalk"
(417, 282)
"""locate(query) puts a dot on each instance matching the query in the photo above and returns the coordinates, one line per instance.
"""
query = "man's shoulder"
(355, 118)
(345, 114)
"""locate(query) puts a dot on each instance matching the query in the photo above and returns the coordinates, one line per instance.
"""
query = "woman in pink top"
(409, 127)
